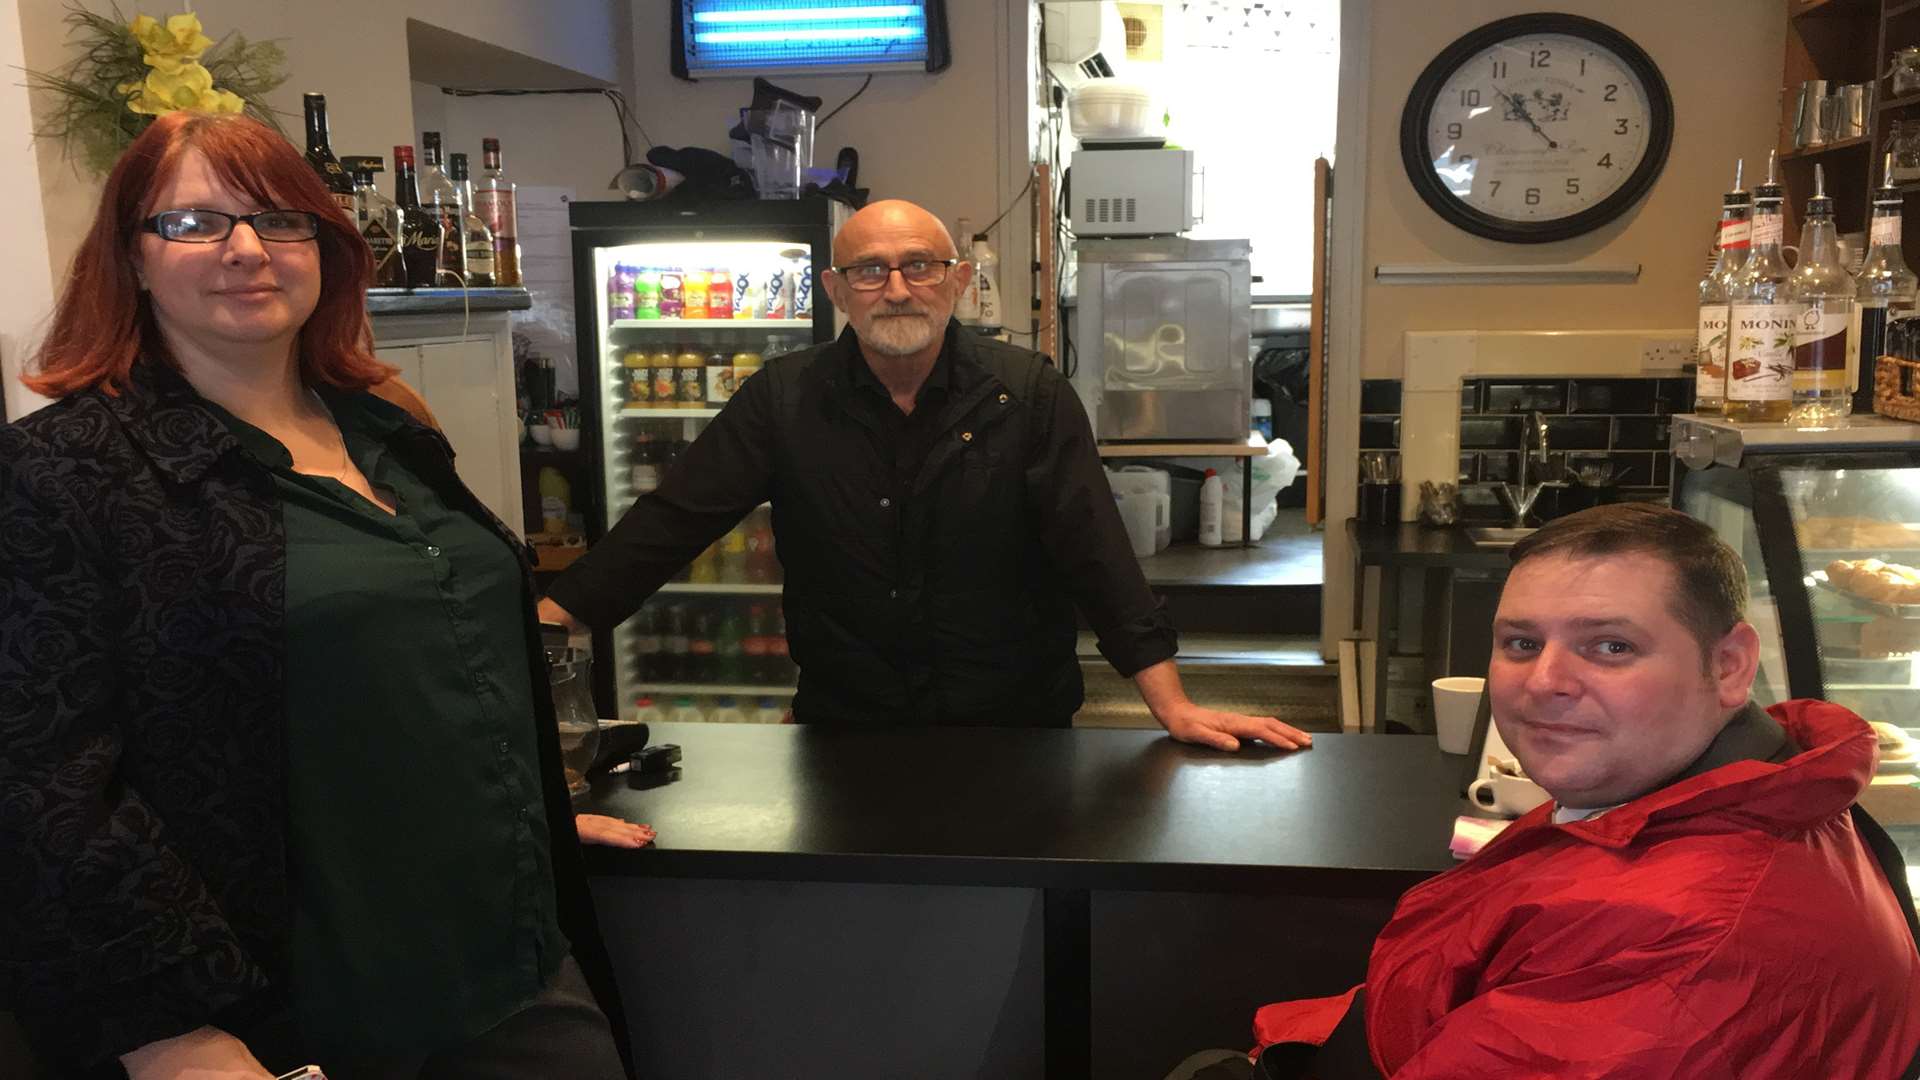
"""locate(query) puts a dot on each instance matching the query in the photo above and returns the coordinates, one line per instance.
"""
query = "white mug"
(1508, 795)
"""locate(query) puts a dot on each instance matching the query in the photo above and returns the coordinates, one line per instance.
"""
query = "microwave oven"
(1161, 335)
(1136, 192)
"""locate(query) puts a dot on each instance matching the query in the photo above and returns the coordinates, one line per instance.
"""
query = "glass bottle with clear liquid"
(1884, 289)
(1822, 289)
(1710, 355)
(1762, 317)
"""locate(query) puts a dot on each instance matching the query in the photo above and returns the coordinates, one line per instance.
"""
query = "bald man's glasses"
(873, 276)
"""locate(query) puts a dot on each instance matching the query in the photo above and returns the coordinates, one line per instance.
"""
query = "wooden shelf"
(1830, 9)
(1252, 448)
(1894, 11)
(1804, 153)
(1900, 102)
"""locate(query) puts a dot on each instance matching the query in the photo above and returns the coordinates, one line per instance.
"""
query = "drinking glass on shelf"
(1903, 142)
(1904, 77)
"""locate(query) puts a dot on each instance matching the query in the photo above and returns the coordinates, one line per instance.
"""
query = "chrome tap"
(1519, 498)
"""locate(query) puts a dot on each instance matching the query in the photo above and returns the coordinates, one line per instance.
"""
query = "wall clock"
(1536, 127)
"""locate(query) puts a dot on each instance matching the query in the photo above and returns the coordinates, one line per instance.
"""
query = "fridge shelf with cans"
(802, 323)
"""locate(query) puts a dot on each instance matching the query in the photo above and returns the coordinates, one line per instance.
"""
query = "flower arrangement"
(127, 73)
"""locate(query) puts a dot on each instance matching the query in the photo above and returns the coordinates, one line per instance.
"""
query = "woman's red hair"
(103, 324)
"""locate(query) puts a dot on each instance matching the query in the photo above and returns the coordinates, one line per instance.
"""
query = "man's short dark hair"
(1710, 579)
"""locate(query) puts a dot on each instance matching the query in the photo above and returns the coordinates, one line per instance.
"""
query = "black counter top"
(1088, 808)
(445, 301)
(1413, 544)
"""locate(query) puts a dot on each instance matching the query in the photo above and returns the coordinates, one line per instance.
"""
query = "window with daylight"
(788, 37)
(1250, 88)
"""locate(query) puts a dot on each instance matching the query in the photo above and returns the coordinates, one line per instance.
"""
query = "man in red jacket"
(1695, 901)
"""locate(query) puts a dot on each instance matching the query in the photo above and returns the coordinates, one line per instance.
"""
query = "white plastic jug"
(1145, 513)
(1132, 478)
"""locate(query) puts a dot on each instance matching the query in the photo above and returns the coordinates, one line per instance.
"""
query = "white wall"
(955, 142)
(28, 297)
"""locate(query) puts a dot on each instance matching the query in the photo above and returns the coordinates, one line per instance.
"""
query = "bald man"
(939, 511)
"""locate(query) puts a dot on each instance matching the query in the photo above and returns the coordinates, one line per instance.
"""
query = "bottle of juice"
(686, 712)
(672, 298)
(556, 501)
(725, 711)
(646, 712)
(719, 294)
(744, 364)
(693, 292)
(666, 382)
(690, 376)
(639, 379)
(646, 293)
(719, 379)
(768, 711)
(733, 556)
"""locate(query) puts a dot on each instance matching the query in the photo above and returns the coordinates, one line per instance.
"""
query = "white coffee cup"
(1144, 512)
(1456, 704)
(1507, 795)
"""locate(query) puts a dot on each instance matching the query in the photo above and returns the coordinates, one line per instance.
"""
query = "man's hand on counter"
(611, 831)
(1160, 688)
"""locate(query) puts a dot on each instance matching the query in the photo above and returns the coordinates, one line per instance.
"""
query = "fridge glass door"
(681, 324)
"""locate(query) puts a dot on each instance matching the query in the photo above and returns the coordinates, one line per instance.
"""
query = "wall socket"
(1666, 354)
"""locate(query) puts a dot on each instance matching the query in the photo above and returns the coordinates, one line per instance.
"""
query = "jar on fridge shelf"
(768, 711)
(686, 712)
(666, 380)
(720, 379)
(646, 712)
(646, 293)
(726, 711)
(719, 294)
(672, 295)
(690, 376)
(638, 378)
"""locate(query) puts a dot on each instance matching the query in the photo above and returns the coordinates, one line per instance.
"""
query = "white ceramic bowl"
(1111, 109)
(566, 438)
(541, 434)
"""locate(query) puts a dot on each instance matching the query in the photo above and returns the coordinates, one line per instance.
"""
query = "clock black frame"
(1425, 94)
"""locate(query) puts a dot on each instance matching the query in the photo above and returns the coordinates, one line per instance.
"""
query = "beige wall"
(954, 142)
(354, 51)
(551, 140)
(1721, 59)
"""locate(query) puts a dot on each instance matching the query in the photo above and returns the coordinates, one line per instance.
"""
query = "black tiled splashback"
(1620, 423)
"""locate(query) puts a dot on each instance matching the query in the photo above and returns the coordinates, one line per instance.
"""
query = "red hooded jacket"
(1729, 925)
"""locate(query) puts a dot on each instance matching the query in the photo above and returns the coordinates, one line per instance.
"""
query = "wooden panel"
(1317, 347)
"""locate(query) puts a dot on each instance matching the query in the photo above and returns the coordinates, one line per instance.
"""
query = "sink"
(1486, 536)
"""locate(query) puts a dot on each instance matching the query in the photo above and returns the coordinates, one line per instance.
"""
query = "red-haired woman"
(278, 776)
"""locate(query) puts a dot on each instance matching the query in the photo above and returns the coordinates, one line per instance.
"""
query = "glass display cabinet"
(1829, 525)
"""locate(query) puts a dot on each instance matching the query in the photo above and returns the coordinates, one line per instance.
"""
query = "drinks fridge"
(678, 302)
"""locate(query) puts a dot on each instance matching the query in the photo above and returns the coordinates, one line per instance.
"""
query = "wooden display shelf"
(1252, 448)
(1901, 102)
(1840, 146)
(1828, 9)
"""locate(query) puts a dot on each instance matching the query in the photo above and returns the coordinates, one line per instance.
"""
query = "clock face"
(1536, 128)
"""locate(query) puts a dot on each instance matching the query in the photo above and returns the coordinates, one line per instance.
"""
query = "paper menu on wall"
(546, 269)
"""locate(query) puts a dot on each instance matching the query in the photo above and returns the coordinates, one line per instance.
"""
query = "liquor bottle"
(1710, 357)
(474, 232)
(1822, 291)
(320, 154)
(1762, 318)
(419, 230)
(443, 199)
(1884, 290)
(493, 200)
(379, 221)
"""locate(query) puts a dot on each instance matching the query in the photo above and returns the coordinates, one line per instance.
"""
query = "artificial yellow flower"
(221, 101)
(163, 92)
(181, 38)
